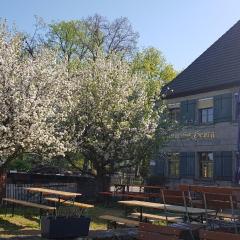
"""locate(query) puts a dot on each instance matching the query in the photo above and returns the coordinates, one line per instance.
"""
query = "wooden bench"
(217, 235)
(157, 217)
(106, 197)
(76, 204)
(225, 215)
(106, 193)
(119, 220)
(133, 195)
(28, 204)
(149, 231)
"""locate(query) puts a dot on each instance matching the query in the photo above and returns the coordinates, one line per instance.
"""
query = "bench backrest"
(149, 231)
(216, 197)
(173, 197)
(220, 201)
(208, 189)
(214, 235)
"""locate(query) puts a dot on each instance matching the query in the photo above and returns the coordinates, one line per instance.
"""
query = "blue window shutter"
(227, 107)
(223, 108)
(188, 111)
(217, 165)
(184, 112)
(191, 163)
(192, 111)
(183, 164)
(187, 164)
(159, 168)
(223, 165)
(217, 103)
(227, 165)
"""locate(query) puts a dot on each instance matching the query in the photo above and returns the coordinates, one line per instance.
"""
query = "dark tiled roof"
(217, 68)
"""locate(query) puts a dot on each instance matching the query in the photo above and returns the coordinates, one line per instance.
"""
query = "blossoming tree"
(100, 108)
(34, 98)
(116, 119)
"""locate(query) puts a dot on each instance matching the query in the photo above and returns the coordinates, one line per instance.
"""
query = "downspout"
(237, 100)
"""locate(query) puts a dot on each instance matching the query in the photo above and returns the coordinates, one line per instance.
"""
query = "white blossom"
(34, 99)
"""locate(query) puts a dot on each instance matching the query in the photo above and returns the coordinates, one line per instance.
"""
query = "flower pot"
(63, 227)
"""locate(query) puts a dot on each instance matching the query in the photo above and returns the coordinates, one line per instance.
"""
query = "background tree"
(152, 64)
(82, 39)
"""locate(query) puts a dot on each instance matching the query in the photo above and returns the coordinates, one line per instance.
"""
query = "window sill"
(206, 179)
(187, 177)
(223, 179)
(205, 124)
(173, 178)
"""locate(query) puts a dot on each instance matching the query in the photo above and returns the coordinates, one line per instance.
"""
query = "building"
(203, 98)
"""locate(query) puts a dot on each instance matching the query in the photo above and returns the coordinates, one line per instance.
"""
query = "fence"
(18, 191)
(126, 179)
(15, 184)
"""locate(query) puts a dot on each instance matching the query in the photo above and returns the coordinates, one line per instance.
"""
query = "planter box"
(62, 227)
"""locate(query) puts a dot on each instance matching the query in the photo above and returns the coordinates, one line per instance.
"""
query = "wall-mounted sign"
(194, 135)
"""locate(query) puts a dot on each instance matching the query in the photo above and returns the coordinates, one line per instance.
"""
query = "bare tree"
(84, 38)
(121, 37)
(112, 37)
(31, 42)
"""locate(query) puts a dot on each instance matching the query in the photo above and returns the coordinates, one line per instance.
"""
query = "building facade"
(204, 99)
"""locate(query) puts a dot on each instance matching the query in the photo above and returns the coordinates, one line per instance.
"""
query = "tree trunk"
(3, 181)
(103, 183)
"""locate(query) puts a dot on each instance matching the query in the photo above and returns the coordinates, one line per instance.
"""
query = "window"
(206, 164)
(206, 115)
(173, 164)
(175, 114)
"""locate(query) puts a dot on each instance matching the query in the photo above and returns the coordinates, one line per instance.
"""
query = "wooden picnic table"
(47, 191)
(166, 207)
(63, 198)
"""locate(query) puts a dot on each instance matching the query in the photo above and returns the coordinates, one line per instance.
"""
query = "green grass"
(97, 211)
(27, 219)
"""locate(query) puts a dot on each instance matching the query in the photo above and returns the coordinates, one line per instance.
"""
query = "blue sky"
(181, 29)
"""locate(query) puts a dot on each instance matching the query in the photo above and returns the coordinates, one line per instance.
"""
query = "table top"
(168, 207)
(46, 191)
(71, 203)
